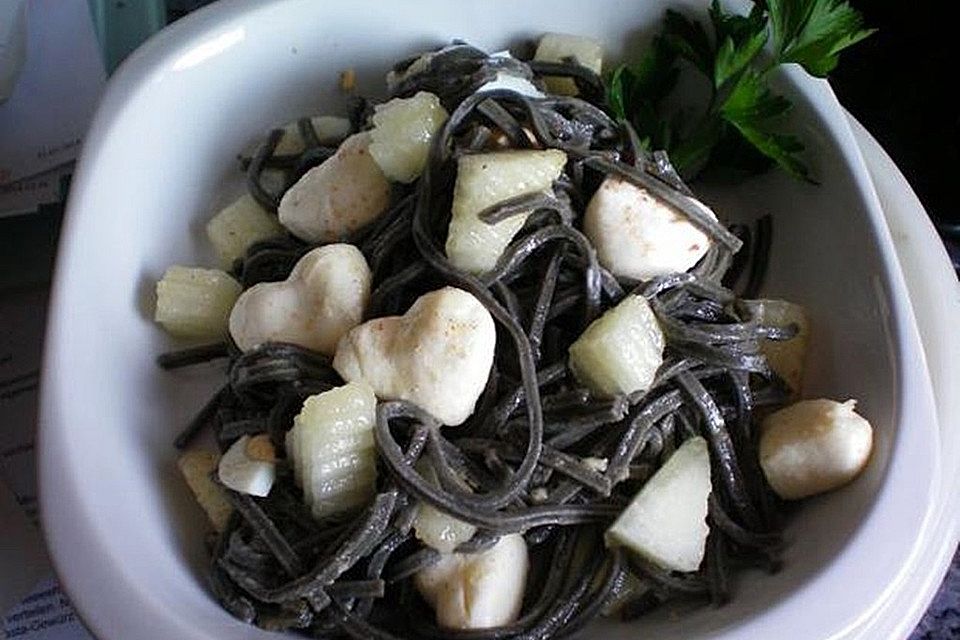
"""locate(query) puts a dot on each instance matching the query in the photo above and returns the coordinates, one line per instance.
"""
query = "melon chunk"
(620, 352)
(483, 180)
(786, 357)
(436, 528)
(666, 521)
(403, 130)
(555, 47)
(197, 465)
(239, 225)
(194, 302)
(332, 449)
(330, 131)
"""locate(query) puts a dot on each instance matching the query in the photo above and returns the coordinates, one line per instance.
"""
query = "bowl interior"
(160, 161)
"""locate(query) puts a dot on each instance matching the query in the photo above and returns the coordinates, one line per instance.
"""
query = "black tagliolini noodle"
(528, 452)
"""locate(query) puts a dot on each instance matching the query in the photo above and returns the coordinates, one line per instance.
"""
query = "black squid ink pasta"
(526, 461)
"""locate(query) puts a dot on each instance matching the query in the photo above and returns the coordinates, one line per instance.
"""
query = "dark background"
(900, 84)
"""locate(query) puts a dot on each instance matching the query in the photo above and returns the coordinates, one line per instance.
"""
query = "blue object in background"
(122, 25)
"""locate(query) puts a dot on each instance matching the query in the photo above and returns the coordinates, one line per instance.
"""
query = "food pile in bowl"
(493, 369)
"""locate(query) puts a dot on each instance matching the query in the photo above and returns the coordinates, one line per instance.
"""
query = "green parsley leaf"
(694, 150)
(635, 93)
(618, 91)
(812, 33)
(751, 99)
(657, 73)
(740, 39)
(734, 158)
(780, 147)
(732, 59)
(740, 128)
(755, 111)
(736, 27)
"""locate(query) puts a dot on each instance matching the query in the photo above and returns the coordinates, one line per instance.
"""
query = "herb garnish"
(741, 126)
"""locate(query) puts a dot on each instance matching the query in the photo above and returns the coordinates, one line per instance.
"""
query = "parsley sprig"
(741, 126)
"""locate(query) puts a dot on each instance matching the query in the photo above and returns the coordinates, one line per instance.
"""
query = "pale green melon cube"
(194, 302)
(403, 130)
(330, 130)
(440, 530)
(554, 47)
(332, 448)
(435, 528)
(665, 523)
(620, 352)
(786, 357)
(483, 180)
(239, 225)
(197, 467)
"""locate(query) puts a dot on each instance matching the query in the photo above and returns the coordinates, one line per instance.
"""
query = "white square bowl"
(121, 526)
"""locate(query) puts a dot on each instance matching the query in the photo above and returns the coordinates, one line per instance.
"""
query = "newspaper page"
(34, 607)
(53, 100)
